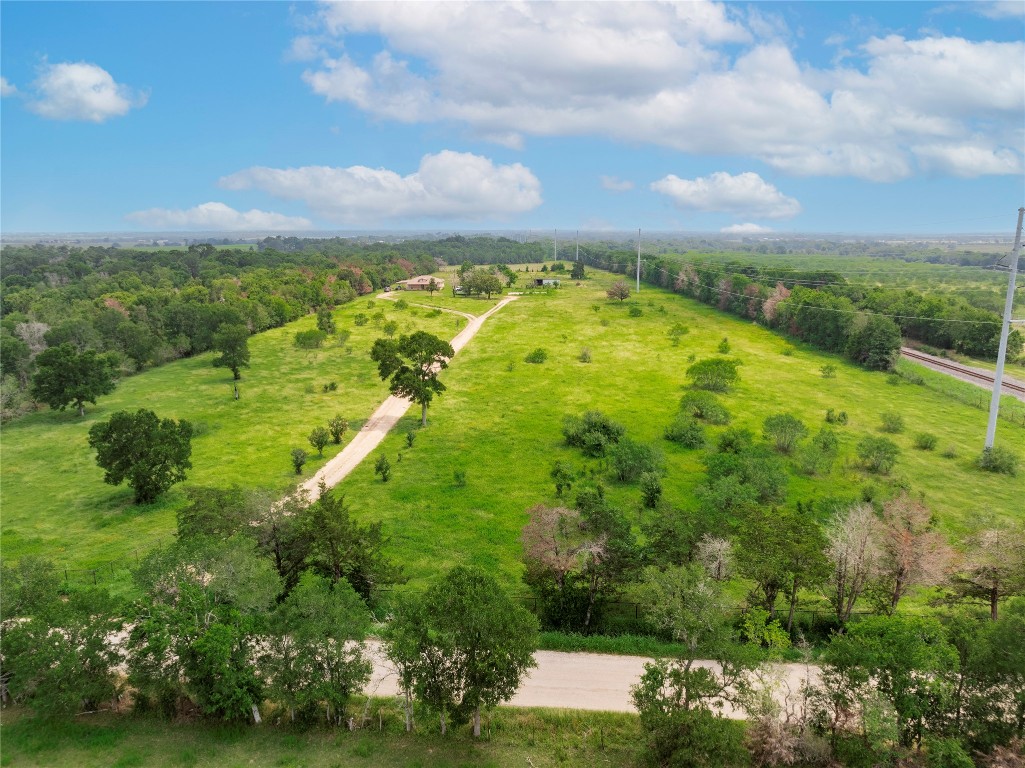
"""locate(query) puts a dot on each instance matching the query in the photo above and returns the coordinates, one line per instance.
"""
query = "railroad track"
(961, 369)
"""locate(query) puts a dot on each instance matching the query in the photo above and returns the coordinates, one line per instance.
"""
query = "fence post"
(94, 577)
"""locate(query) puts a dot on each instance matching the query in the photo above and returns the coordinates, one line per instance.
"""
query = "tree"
(631, 459)
(432, 286)
(151, 454)
(315, 659)
(311, 339)
(465, 643)
(577, 272)
(784, 430)
(325, 320)
(337, 427)
(390, 328)
(911, 553)
(853, 552)
(341, 549)
(677, 332)
(413, 363)
(878, 454)
(874, 342)
(562, 475)
(716, 374)
(318, 438)
(716, 556)
(481, 280)
(678, 699)
(66, 377)
(232, 341)
(993, 567)
(619, 290)
(298, 460)
(383, 468)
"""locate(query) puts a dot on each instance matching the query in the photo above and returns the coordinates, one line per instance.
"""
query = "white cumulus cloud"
(745, 229)
(746, 194)
(81, 91)
(699, 77)
(6, 88)
(447, 185)
(217, 217)
(615, 184)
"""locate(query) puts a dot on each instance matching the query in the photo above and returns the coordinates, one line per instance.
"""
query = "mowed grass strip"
(53, 500)
(511, 737)
(500, 423)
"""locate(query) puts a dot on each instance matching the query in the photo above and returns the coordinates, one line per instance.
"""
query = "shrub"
(818, 457)
(832, 417)
(410, 438)
(686, 431)
(459, 477)
(390, 328)
(337, 427)
(999, 459)
(401, 304)
(537, 356)
(925, 441)
(787, 351)
(706, 406)
(677, 332)
(716, 374)
(343, 337)
(594, 433)
(828, 371)
(878, 454)
(383, 468)
(724, 346)
(331, 386)
(298, 459)
(892, 422)
(946, 753)
(585, 355)
(311, 339)
(604, 322)
(360, 319)
(784, 430)
(635, 311)
(318, 438)
(631, 459)
(735, 440)
(950, 452)
(651, 489)
(370, 303)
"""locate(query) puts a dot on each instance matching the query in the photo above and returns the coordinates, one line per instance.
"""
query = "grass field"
(53, 498)
(499, 423)
(512, 737)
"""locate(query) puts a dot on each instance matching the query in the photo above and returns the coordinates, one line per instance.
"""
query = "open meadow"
(460, 493)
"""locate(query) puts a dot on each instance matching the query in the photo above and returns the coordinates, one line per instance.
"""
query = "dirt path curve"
(385, 417)
(574, 680)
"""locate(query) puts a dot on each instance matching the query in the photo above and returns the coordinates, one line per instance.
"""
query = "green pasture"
(510, 737)
(500, 423)
(53, 501)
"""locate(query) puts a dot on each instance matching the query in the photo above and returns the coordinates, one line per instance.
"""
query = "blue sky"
(734, 117)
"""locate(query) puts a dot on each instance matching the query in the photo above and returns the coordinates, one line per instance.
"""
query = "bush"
(651, 489)
(318, 438)
(946, 753)
(636, 311)
(360, 319)
(311, 339)
(298, 460)
(716, 374)
(686, 431)
(735, 440)
(676, 332)
(537, 356)
(410, 438)
(337, 427)
(925, 441)
(705, 406)
(459, 477)
(631, 459)
(784, 430)
(892, 422)
(585, 355)
(999, 459)
(950, 452)
(594, 433)
(832, 417)
(383, 468)
(787, 351)
(828, 371)
(343, 337)
(724, 346)
(401, 304)
(878, 454)
(331, 386)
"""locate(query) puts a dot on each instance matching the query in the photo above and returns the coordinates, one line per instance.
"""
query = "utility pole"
(638, 260)
(578, 246)
(555, 249)
(994, 403)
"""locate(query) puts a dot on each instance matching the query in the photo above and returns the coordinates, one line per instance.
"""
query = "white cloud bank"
(217, 217)
(745, 229)
(447, 185)
(81, 91)
(746, 194)
(6, 88)
(699, 77)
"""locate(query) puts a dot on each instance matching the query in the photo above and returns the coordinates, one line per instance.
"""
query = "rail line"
(961, 369)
